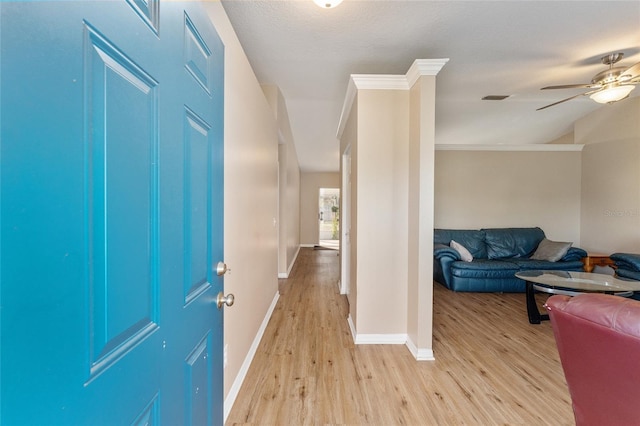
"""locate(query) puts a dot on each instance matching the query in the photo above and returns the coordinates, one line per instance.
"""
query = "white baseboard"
(381, 339)
(352, 328)
(307, 245)
(293, 262)
(420, 354)
(375, 339)
(237, 383)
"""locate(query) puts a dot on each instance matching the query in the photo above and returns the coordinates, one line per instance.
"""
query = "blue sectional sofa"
(497, 255)
(627, 265)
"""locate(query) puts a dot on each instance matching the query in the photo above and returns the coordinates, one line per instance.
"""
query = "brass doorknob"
(225, 300)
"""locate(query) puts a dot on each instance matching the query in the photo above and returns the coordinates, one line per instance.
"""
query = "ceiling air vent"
(495, 97)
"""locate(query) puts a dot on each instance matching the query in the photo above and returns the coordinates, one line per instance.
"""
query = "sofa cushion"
(551, 250)
(531, 264)
(473, 240)
(574, 253)
(506, 284)
(630, 261)
(507, 243)
(484, 269)
(625, 273)
(483, 275)
(486, 265)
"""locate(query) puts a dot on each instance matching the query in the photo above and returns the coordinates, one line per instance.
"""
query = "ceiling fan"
(610, 85)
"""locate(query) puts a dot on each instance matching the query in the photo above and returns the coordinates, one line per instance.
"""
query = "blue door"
(111, 213)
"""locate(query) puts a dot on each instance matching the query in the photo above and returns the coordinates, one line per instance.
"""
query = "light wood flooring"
(492, 367)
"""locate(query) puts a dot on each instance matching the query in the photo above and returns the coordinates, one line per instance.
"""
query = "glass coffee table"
(571, 283)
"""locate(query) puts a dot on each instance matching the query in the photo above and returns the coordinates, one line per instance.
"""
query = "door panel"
(197, 210)
(122, 213)
(111, 213)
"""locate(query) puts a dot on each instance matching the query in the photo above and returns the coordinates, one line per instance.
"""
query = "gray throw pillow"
(551, 250)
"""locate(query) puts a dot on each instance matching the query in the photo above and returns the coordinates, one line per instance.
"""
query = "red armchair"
(598, 338)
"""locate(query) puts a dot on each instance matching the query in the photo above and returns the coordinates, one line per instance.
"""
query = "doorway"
(329, 218)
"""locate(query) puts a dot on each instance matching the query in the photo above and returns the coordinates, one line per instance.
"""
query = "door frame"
(345, 223)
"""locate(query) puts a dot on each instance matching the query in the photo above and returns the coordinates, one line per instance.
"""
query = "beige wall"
(251, 161)
(382, 179)
(421, 218)
(613, 122)
(310, 184)
(392, 147)
(564, 139)
(289, 210)
(495, 189)
(288, 185)
(610, 216)
(349, 141)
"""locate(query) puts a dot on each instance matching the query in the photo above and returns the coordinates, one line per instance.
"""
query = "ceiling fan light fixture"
(612, 94)
(327, 4)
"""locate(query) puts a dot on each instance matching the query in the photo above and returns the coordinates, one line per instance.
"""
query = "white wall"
(495, 189)
(251, 194)
(610, 219)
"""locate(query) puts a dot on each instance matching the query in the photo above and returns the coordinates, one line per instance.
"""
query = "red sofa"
(598, 338)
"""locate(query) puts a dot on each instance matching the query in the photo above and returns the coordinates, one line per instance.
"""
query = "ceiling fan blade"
(568, 99)
(569, 86)
(630, 74)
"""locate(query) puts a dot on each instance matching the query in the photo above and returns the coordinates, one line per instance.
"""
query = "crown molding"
(346, 107)
(515, 148)
(380, 81)
(419, 68)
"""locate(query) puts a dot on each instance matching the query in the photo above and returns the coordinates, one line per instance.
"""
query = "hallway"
(492, 366)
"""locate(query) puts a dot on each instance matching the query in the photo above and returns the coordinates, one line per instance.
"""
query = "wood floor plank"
(492, 367)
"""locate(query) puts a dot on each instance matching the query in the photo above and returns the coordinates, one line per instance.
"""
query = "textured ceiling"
(494, 48)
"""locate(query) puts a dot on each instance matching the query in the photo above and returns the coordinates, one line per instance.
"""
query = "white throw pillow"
(464, 253)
